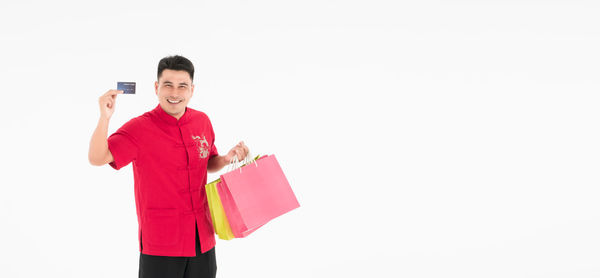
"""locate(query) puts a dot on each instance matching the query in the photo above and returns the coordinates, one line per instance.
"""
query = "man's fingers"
(109, 97)
(110, 100)
(241, 150)
(243, 146)
(113, 92)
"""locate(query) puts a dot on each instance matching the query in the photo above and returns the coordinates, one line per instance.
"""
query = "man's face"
(174, 89)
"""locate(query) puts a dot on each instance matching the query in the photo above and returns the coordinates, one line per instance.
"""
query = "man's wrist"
(226, 160)
(104, 119)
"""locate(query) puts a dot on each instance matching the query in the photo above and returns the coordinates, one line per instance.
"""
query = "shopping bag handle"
(235, 163)
(248, 159)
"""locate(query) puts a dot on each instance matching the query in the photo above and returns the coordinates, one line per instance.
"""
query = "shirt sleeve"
(213, 148)
(123, 147)
(213, 151)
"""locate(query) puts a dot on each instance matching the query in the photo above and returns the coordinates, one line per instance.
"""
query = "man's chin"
(173, 109)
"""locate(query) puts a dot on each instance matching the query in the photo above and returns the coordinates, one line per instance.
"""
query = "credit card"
(126, 87)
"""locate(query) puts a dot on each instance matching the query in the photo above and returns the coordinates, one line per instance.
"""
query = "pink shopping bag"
(255, 194)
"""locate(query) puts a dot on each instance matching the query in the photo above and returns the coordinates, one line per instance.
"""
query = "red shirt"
(169, 158)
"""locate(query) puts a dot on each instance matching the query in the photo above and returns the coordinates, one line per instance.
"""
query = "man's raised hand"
(107, 103)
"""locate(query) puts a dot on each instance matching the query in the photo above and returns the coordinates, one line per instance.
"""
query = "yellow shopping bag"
(217, 213)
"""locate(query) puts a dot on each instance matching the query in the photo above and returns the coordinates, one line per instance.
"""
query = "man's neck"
(177, 116)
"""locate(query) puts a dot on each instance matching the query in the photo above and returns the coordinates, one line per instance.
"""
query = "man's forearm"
(99, 154)
(216, 163)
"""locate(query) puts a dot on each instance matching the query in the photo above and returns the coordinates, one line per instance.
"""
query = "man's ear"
(193, 88)
(156, 87)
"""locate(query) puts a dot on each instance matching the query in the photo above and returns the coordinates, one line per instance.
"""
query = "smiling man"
(171, 148)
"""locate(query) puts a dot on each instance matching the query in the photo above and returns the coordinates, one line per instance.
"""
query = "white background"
(422, 138)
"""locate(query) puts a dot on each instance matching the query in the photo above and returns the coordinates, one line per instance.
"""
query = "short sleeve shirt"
(170, 159)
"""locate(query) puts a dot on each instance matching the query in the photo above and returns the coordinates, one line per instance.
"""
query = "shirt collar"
(161, 114)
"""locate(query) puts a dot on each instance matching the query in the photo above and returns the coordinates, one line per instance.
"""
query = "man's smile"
(174, 101)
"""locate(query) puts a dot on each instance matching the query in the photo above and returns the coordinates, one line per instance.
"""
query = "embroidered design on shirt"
(202, 144)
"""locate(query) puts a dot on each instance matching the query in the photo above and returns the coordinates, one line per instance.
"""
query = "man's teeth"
(173, 101)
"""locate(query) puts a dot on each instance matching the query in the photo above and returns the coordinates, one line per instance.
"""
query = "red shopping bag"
(255, 194)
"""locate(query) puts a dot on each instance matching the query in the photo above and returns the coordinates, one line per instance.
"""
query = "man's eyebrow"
(183, 83)
(168, 82)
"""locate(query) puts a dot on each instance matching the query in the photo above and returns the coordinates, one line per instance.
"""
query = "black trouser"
(200, 266)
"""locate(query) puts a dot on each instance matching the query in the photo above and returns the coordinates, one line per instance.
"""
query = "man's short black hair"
(175, 62)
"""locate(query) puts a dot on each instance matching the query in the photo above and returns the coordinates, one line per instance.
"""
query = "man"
(171, 148)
